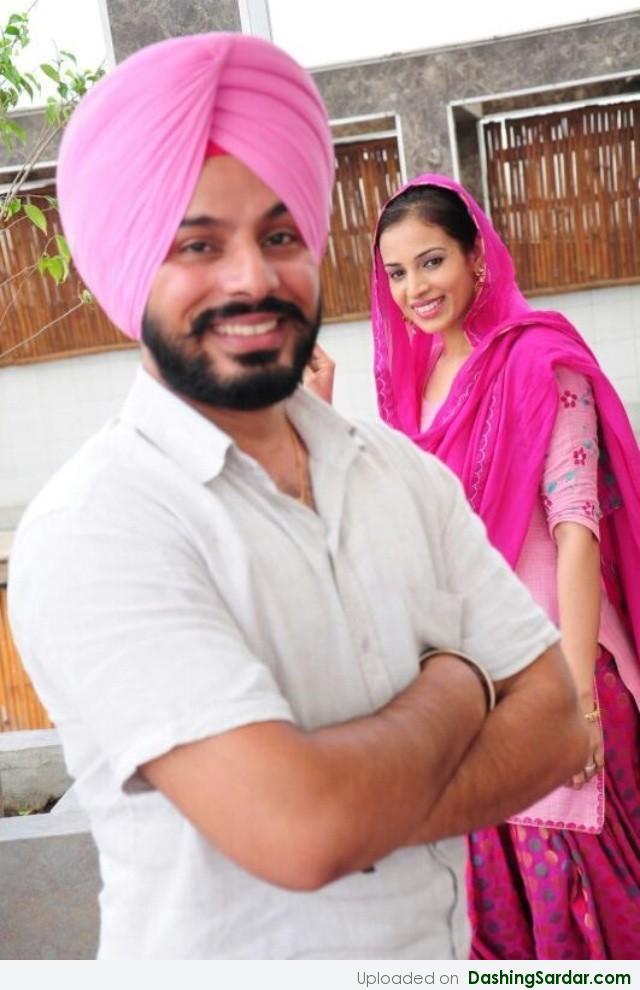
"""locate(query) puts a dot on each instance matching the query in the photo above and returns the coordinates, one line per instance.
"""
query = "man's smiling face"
(233, 311)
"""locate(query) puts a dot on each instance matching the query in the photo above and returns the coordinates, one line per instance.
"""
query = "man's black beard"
(263, 384)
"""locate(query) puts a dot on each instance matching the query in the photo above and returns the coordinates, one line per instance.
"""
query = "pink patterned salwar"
(540, 893)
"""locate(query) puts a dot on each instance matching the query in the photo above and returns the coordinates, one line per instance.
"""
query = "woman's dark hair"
(432, 204)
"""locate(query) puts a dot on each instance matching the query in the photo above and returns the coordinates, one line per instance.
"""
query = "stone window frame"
(468, 118)
(380, 124)
(466, 115)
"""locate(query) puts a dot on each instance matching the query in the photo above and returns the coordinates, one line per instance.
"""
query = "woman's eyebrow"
(421, 254)
(427, 251)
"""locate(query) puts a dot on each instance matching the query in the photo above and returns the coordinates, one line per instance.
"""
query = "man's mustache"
(279, 307)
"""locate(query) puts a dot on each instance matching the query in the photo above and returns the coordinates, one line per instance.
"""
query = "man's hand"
(319, 374)
(532, 741)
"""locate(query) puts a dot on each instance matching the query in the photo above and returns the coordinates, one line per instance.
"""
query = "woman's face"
(431, 279)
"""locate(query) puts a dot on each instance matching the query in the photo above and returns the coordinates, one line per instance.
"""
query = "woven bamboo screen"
(367, 173)
(20, 707)
(28, 301)
(564, 195)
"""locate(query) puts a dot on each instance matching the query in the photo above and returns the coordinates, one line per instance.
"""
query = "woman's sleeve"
(570, 478)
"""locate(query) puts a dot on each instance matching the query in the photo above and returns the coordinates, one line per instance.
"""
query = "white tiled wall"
(48, 409)
(351, 347)
(609, 320)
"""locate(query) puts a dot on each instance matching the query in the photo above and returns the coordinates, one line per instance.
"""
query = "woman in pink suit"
(515, 403)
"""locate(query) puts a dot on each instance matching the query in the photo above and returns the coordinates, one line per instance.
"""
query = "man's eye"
(282, 238)
(197, 247)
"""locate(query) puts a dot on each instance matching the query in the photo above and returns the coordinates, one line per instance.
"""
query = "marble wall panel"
(380, 86)
(597, 49)
(134, 25)
(419, 87)
(499, 66)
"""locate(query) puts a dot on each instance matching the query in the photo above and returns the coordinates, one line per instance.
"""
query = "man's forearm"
(397, 763)
(533, 741)
(328, 802)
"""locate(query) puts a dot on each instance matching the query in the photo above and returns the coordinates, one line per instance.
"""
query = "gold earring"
(479, 276)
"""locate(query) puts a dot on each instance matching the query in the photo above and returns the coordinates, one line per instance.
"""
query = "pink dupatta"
(505, 392)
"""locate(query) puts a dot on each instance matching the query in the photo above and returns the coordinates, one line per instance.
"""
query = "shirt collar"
(327, 435)
(176, 428)
(200, 447)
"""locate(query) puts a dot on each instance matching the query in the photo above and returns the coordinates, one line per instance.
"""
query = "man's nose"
(247, 272)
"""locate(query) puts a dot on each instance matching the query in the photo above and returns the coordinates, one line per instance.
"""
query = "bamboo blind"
(29, 301)
(564, 194)
(367, 174)
(20, 707)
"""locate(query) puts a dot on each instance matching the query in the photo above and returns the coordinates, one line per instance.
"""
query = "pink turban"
(134, 149)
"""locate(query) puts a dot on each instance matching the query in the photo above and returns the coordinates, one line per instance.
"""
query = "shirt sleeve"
(502, 626)
(570, 478)
(123, 630)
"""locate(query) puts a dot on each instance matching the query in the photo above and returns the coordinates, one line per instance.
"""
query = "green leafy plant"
(70, 83)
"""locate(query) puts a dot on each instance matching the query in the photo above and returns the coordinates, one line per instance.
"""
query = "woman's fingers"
(595, 761)
(318, 374)
(598, 747)
(321, 362)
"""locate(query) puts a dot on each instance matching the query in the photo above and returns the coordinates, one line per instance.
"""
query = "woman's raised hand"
(319, 373)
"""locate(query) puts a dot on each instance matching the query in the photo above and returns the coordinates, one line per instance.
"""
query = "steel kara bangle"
(477, 668)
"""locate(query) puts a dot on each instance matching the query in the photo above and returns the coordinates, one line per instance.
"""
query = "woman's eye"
(396, 275)
(433, 262)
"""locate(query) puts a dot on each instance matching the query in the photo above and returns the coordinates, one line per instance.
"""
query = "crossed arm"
(300, 809)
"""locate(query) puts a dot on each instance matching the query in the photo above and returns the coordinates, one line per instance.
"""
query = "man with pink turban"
(276, 710)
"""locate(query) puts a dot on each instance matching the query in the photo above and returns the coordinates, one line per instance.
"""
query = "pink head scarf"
(505, 392)
(134, 149)
(401, 354)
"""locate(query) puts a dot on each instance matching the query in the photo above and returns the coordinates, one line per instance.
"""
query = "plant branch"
(12, 278)
(27, 269)
(33, 336)
(23, 174)
(14, 296)
(21, 219)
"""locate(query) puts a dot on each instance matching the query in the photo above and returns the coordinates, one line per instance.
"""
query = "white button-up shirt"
(163, 590)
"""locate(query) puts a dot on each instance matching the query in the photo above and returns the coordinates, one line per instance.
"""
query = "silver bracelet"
(478, 669)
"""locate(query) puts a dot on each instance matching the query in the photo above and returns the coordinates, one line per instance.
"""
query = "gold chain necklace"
(304, 489)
